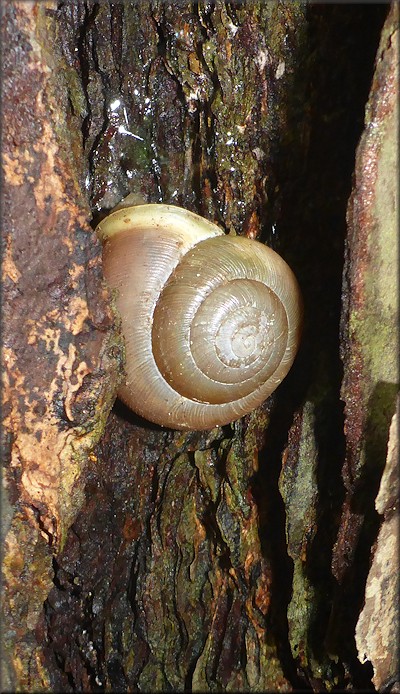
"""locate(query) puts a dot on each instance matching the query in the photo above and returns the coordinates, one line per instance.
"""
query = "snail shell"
(211, 322)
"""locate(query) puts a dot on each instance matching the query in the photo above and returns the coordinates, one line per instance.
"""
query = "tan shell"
(211, 322)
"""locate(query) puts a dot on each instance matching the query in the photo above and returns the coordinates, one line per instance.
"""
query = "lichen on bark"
(58, 338)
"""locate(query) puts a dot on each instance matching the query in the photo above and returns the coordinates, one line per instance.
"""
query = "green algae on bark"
(370, 317)
(370, 348)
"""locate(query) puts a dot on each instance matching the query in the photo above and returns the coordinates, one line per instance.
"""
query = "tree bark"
(136, 557)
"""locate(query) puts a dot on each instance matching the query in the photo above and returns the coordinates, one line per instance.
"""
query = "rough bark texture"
(377, 632)
(371, 377)
(142, 558)
(58, 337)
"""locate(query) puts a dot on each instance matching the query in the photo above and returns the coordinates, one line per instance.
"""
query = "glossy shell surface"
(211, 322)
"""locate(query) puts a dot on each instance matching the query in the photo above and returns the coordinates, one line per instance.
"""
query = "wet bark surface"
(164, 560)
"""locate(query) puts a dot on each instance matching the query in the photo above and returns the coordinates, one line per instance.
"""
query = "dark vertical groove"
(315, 180)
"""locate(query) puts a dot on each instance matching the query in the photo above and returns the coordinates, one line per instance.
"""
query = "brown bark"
(138, 557)
(371, 372)
(58, 338)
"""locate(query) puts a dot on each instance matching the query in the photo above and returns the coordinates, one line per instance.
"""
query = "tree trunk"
(140, 558)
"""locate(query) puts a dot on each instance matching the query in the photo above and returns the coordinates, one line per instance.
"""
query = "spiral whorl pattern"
(222, 340)
(211, 322)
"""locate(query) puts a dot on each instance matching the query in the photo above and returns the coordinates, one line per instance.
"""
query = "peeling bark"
(377, 631)
(58, 334)
(369, 344)
(370, 327)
